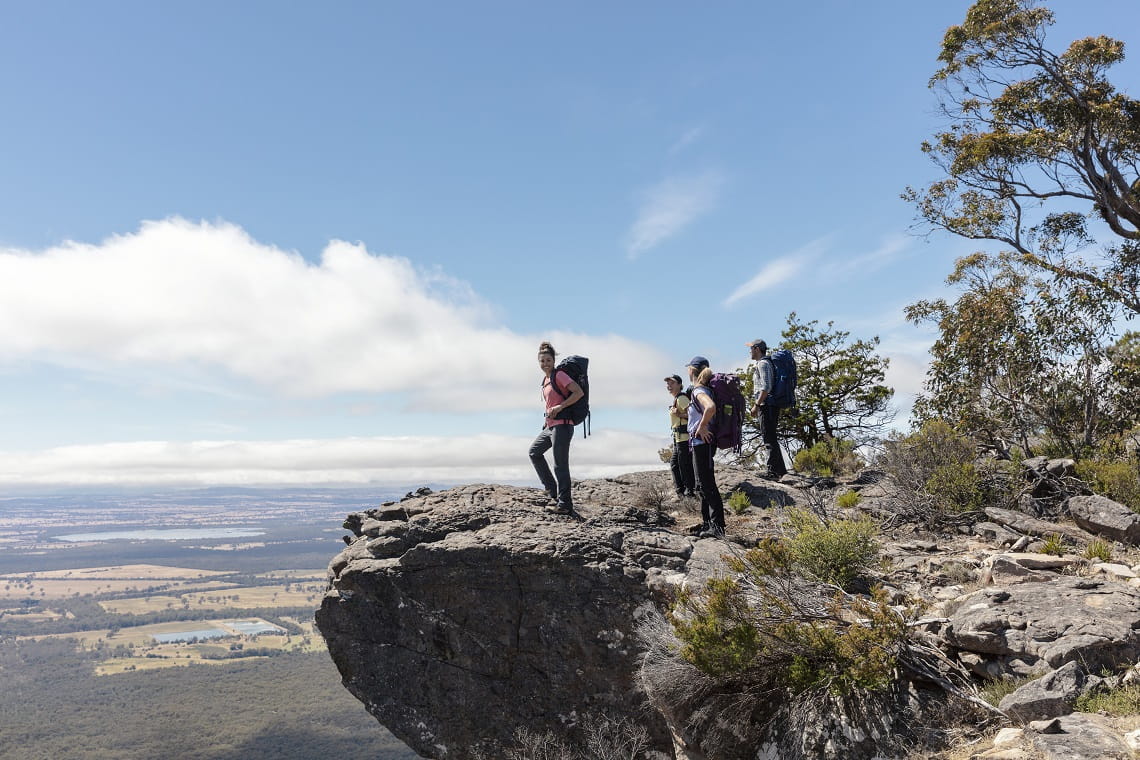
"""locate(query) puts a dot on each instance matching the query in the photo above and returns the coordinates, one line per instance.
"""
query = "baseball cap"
(758, 343)
(676, 378)
(698, 361)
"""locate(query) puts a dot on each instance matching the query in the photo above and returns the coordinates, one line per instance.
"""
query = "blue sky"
(265, 243)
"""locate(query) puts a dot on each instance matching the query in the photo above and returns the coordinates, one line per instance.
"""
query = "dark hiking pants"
(558, 484)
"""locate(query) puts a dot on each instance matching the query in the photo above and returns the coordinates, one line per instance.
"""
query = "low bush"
(755, 622)
(1119, 480)
(838, 551)
(848, 499)
(828, 458)
(939, 477)
(738, 502)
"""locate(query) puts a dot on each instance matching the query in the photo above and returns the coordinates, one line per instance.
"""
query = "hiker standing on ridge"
(559, 391)
(701, 411)
(763, 380)
(681, 464)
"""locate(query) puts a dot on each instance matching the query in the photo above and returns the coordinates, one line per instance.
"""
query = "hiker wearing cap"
(556, 432)
(682, 461)
(763, 380)
(702, 408)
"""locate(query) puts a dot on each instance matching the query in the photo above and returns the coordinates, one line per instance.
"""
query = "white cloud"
(207, 303)
(342, 461)
(778, 271)
(670, 206)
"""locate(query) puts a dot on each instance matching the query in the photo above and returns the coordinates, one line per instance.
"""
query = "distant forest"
(288, 707)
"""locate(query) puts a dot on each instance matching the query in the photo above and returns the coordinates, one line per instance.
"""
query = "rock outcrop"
(459, 617)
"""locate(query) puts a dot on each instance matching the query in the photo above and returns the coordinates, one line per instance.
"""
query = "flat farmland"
(20, 587)
(232, 597)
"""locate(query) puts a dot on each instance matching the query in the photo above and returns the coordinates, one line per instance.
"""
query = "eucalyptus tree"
(1041, 149)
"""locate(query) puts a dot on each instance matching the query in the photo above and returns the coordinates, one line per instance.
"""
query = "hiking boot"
(711, 532)
(769, 475)
(557, 510)
(696, 530)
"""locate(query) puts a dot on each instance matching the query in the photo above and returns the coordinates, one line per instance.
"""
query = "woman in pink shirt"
(559, 391)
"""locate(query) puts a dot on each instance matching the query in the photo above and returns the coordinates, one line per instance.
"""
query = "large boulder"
(1050, 696)
(1099, 514)
(1094, 622)
(458, 617)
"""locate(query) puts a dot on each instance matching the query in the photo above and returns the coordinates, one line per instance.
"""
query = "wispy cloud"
(337, 461)
(871, 261)
(670, 206)
(779, 270)
(689, 137)
(202, 304)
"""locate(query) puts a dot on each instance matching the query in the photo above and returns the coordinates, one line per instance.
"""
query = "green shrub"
(1118, 480)
(753, 625)
(738, 502)
(956, 487)
(1099, 549)
(828, 458)
(848, 499)
(1118, 702)
(936, 470)
(836, 552)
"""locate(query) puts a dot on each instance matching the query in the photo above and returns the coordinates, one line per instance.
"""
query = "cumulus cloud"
(341, 461)
(208, 300)
(778, 271)
(670, 206)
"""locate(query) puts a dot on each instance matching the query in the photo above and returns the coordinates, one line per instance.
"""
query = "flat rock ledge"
(457, 617)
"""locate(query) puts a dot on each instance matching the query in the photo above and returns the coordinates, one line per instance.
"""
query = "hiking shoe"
(556, 510)
(711, 532)
(769, 475)
(696, 530)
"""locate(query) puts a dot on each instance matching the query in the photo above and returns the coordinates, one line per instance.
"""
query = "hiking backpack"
(783, 391)
(728, 422)
(577, 368)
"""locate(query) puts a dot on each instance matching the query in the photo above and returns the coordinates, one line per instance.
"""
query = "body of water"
(162, 534)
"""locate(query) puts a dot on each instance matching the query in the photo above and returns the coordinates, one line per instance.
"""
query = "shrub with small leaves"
(738, 502)
(1099, 549)
(1118, 480)
(828, 458)
(752, 625)
(839, 551)
(848, 499)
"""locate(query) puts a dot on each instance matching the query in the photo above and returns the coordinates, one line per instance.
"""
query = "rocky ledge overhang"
(459, 616)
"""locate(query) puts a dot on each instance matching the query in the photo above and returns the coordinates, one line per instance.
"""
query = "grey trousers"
(558, 484)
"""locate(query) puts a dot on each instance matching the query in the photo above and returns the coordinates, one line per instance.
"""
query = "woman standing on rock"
(559, 391)
(701, 412)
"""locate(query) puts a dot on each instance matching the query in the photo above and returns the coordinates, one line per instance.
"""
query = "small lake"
(162, 534)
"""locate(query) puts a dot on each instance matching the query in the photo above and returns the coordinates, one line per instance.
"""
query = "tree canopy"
(841, 392)
(1042, 150)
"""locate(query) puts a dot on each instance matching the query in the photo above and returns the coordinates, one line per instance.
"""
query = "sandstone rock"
(995, 534)
(1009, 737)
(1115, 571)
(1050, 696)
(1081, 736)
(481, 613)
(1014, 567)
(1098, 514)
(1132, 739)
(1064, 620)
(1032, 526)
